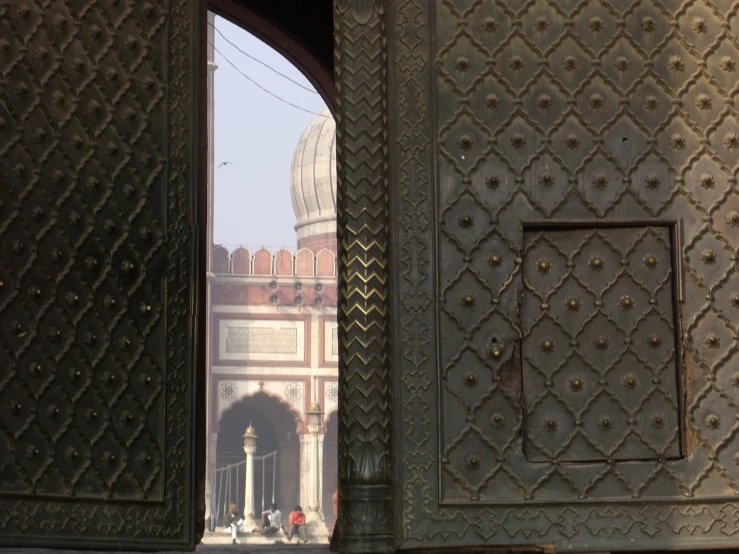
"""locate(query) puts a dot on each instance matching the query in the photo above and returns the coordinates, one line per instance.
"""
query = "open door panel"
(99, 274)
(565, 258)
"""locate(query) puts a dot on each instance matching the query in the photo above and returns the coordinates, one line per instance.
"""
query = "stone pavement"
(201, 549)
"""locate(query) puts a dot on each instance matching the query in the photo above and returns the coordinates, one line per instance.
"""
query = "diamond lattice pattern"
(584, 110)
(599, 361)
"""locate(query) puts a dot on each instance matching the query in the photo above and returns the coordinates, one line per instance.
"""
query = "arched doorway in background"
(303, 34)
(276, 427)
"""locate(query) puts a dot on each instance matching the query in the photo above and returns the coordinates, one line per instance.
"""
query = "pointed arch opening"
(272, 302)
(277, 468)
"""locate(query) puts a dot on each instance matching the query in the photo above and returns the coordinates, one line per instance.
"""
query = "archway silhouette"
(302, 33)
(276, 426)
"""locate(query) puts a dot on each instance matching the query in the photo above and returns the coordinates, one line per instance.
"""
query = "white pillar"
(210, 464)
(321, 438)
(316, 525)
(250, 447)
(210, 454)
(305, 469)
(314, 472)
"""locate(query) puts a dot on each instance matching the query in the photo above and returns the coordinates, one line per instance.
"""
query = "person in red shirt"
(296, 524)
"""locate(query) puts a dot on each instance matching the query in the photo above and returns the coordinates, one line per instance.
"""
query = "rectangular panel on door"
(599, 360)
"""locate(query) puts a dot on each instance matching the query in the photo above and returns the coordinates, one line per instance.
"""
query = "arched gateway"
(274, 345)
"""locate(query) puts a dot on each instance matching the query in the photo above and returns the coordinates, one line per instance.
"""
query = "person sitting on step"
(272, 520)
(234, 521)
(296, 524)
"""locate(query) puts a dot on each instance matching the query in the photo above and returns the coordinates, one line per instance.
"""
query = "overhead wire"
(260, 61)
(263, 88)
(230, 245)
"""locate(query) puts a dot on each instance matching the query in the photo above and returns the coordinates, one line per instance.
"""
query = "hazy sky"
(258, 135)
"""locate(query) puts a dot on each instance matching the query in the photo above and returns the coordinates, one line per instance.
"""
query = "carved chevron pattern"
(364, 407)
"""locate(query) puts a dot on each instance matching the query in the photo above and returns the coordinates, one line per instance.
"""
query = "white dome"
(313, 179)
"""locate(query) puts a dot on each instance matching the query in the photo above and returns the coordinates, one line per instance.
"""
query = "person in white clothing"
(234, 521)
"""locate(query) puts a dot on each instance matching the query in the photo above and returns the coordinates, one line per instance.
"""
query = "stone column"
(212, 397)
(321, 438)
(305, 469)
(364, 300)
(316, 525)
(212, 66)
(250, 447)
(210, 464)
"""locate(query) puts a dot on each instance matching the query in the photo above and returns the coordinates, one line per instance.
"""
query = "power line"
(260, 61)
(261, 87)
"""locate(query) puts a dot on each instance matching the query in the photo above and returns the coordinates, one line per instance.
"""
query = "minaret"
(210, 454)
(211, 116)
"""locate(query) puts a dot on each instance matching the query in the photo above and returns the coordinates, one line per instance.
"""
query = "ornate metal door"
(567, 296)
(98, 273)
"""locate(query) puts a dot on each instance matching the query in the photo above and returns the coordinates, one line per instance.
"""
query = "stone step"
(223, 536)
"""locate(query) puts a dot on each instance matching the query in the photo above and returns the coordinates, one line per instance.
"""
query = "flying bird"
(223, 163)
